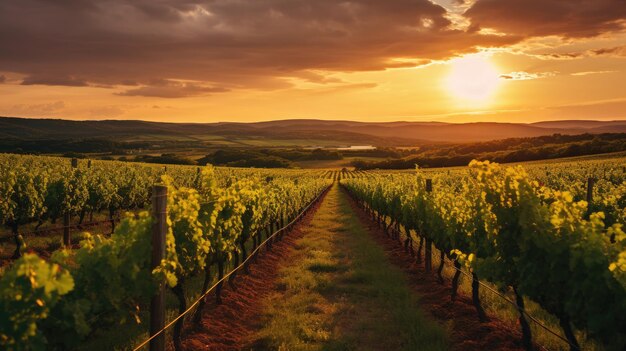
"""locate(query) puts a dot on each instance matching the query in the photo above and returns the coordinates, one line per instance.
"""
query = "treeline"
(235, 157)
(86, 146)
(167, 158)
(267, 158)
(171, 159)
(505, 151)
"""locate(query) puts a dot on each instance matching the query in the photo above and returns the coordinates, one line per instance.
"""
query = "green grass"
(499, 308)
(339, 292)
(505, 311)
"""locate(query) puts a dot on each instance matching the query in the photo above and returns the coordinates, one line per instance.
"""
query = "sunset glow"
(419, 60)
(473, 78)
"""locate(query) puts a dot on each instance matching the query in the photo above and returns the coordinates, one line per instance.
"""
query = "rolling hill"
(338, 132)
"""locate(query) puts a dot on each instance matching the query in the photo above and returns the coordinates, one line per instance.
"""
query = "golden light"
(473, 78)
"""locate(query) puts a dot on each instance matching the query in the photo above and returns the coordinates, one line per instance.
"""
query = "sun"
(472, 78)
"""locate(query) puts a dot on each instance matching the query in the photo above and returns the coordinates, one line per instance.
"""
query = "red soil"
(466, 331)
(230, 325)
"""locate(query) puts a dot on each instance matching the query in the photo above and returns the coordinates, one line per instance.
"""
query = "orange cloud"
(172, 89)
(240, 44)
(521, 75)
(566, 18)
(54, 80)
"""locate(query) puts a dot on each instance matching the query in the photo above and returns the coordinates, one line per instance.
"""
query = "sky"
(367, 60)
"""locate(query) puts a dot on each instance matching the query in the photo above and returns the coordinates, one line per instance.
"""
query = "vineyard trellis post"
(428, 259)
(159, 229)
(67, 215)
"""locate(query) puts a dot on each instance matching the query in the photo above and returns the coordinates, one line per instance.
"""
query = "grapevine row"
(514, 232)
(61, 302)
(36, 189)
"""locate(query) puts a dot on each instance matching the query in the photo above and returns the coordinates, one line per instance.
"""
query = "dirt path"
(228, 326)
(338, 292)
(460, 316)
(337, 283)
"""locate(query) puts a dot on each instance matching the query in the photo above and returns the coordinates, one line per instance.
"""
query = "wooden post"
(198, 179)
(88, 163)
(67, 241)
(428, 262)
(159, 228)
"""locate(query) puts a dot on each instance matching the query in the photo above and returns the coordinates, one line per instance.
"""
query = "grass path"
(338, 291)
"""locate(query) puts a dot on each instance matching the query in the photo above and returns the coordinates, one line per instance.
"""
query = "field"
(506, 257)
(296, 175)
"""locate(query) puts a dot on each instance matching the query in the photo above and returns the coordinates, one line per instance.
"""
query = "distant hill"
(346, 132)
(581, 124)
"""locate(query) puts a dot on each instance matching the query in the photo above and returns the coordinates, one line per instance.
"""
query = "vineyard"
(162, 238)
(212, 217)
(538, 232)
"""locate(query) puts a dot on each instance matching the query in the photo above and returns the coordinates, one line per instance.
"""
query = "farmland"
(90, 222)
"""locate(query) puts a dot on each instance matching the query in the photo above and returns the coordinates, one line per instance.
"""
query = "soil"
(229, 326)
(466, 331)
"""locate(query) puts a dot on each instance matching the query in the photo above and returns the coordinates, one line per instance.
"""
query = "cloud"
(52, 80)
(240, 44)
(343, 88)
(3, 78)
(565, 18)
(39, 110)
(586, 73)
(222, 45)
(616, 52)
(173, 89)
(318, 78)
(521, 75)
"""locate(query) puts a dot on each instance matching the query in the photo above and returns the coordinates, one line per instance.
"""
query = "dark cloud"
(313, 77)
(567, 18)
(173, 89)
(54, 80)
(618, 51)
(615, 51)
(240, 44)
